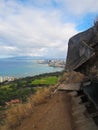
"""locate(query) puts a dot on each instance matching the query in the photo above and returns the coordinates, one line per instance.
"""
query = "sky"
(42, 27)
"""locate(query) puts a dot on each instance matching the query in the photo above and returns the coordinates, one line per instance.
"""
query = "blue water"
(24, 68)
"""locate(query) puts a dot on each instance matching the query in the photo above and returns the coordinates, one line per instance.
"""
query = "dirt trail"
(53, 115)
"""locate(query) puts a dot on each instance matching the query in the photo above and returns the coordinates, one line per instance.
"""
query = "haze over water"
(24, 68)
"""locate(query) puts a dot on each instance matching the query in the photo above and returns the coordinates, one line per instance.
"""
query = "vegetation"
(29, 91)
(17, 112)
(51, 80)
(9, 92)
(24, 87)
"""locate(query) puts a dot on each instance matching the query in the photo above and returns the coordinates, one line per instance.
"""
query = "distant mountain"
(33, 58)
(26, 58)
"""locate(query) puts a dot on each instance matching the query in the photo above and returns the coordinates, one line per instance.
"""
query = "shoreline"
(34, 77)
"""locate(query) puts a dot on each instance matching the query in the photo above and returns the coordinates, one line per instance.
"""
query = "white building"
(1, 79)
(6, 78)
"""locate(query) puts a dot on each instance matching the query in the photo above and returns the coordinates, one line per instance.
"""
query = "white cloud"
(6, 51)
(73, 6)
(29, 30)
(79, 7)
(32, 31)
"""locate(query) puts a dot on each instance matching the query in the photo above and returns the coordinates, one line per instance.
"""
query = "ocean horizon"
(23, 68)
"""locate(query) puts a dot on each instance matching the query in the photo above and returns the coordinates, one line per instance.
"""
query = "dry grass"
(41, 96)
(16, 113)
(72, 77)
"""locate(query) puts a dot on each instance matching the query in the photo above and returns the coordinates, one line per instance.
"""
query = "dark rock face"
(83, 51)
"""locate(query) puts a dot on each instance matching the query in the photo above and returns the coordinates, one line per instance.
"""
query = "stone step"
(69, 87)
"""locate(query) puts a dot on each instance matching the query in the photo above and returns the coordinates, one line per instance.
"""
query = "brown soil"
(55, 114)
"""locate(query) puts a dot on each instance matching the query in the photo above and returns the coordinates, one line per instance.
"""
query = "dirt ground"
(53, 115)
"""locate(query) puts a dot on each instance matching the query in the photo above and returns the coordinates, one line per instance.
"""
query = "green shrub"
(51, 80)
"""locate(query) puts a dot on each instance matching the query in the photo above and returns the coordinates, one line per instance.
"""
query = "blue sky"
(42, 27)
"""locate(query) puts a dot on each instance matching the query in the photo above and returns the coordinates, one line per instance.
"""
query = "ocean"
(25, 67)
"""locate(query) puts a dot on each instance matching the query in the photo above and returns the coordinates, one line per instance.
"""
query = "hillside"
(53, 115)
(51, 107)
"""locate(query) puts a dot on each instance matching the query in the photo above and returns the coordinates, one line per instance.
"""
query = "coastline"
(34, 77)
(24, 68)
